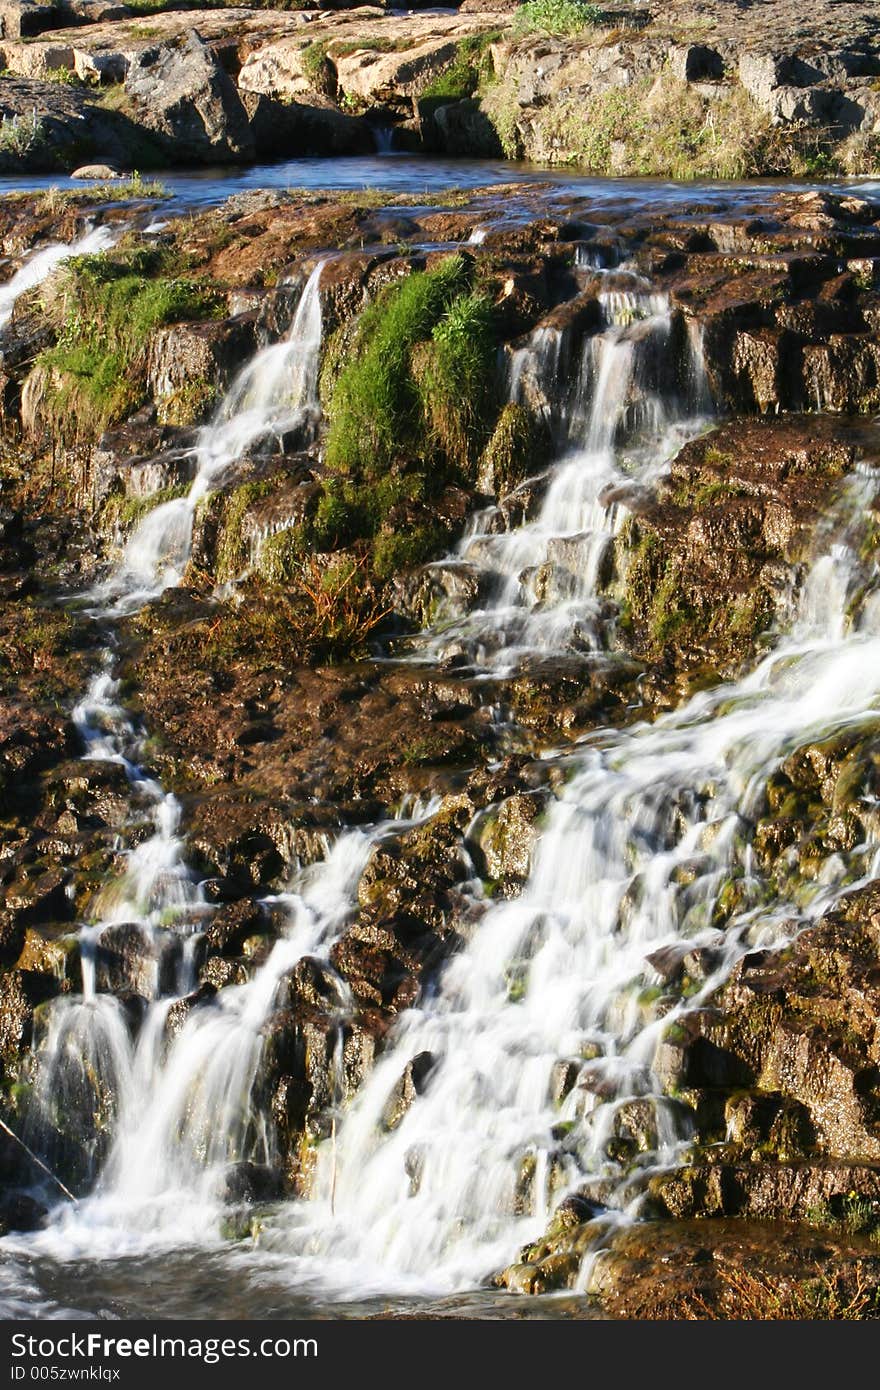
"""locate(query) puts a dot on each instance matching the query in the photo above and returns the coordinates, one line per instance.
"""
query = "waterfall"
(544, 575)
(633, 858)
(86, 1056)
(40, 264)
(276, 392)
(635, 853)
(383, 138)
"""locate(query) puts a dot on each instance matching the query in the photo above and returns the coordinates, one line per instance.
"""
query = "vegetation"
(471, 67)
(766, 1298)
(409, 413)
(21, 136)
(106, 307)
(383, 408)
(556, 16)
(123, 513)
(55, 200)
(664, 129)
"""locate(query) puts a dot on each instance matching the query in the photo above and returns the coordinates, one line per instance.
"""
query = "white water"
(84, 1056)
(276, 392)
(625, 416)
(634, 854)
(40, 264)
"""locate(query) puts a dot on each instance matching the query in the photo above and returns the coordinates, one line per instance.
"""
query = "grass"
(21, 136)
(556, 17)
(106, 309)
(746, 1296)
(662, 129)
(471, 67)
(55, 200)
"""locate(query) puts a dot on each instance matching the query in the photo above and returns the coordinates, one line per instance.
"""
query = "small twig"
(39, 1162)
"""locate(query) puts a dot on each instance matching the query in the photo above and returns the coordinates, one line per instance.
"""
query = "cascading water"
(40, 264)
(559, 977)
(544, 576)
(85, 1055)
(634, 857)
(277, 392)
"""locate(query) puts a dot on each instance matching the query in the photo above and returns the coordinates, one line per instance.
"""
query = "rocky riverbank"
(682, 91)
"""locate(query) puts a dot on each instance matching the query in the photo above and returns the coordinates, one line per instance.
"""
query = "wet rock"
(232, 925)
(181, 1009)
(508, 836)
(708, 566)
(129, 957)
(405, 1091)
(21, 991)
(19, 1212)
(187, 100)
(724, 1269)
(12, 936)
(190, 365)
(248, 1183)
(311, 985)
(760, 1191)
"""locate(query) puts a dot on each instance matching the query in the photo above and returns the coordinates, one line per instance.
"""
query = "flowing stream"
(275, 394)
(39, 265)
(637, 852)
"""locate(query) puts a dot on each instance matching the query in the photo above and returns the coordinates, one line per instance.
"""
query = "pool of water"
(228, 1284)
(416, 174)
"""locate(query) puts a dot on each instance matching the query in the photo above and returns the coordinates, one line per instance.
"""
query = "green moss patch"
(106, 309)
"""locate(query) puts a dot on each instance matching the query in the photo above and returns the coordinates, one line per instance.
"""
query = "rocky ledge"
(688, 91)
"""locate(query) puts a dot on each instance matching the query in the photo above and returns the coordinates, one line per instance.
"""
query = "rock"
(507, 836)
(405, 1091)
(277, 70)
(695, 62)
(184, 96)
(248, 1183)
(20, 19)
(295, 130)
(96, 171)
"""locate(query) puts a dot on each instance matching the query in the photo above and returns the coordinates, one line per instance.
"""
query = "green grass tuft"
(556, 17)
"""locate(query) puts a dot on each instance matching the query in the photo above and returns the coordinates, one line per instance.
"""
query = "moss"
(509, 456)
(419, 386)
(191, 405)
(123, 513)
(395, 553)
(107, 307)
(471, 66)
(279, 556)
(232, 551)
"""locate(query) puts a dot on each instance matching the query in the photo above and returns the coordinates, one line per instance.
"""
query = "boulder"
(96, 171)
(184, 96)
(189, 365)
(294, 130)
